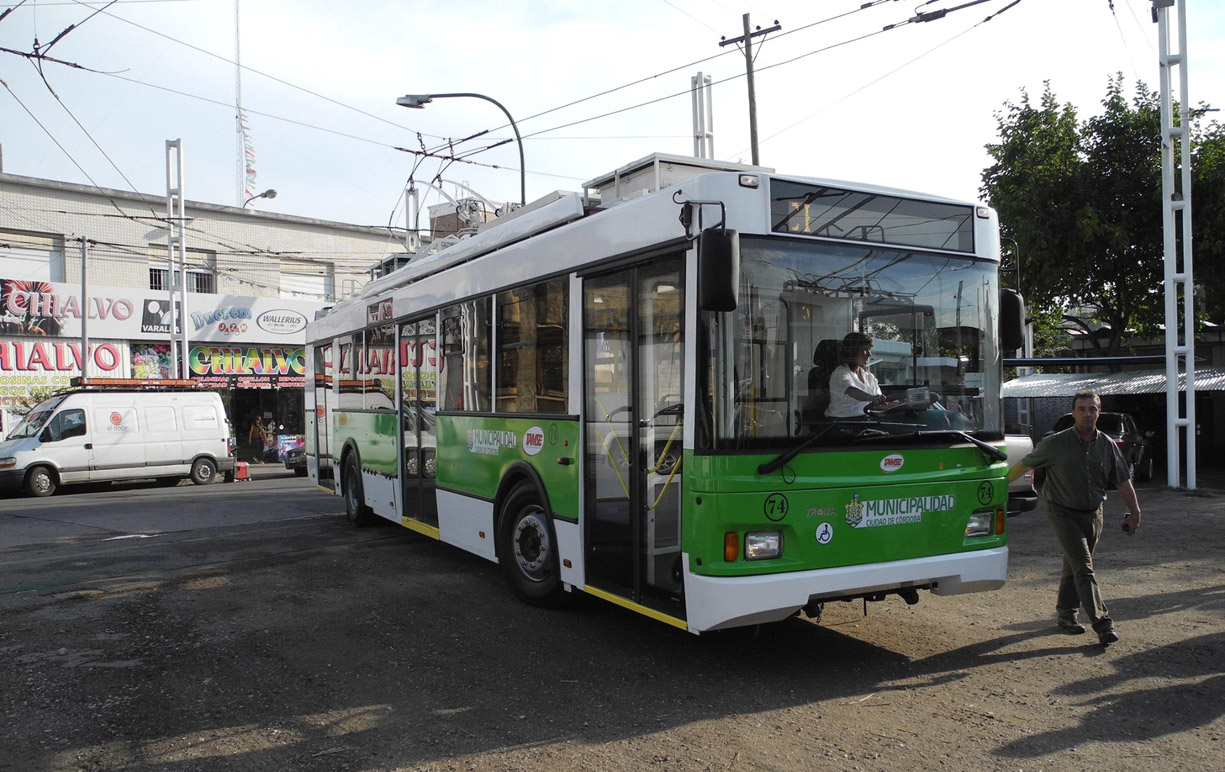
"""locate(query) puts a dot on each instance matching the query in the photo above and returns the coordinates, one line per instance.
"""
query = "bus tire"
(40, 482)
(356, 510)
(527, 550)
(203, 471)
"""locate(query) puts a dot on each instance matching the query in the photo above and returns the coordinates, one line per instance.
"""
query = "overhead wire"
(464, 157)
(870, 83)
(247, 68)
(639, 81)
(1123, 40)
(425, 153)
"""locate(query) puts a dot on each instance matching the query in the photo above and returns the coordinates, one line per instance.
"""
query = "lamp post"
(419, 101)
(269, 193)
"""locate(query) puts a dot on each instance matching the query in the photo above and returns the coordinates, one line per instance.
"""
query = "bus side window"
(464, 372)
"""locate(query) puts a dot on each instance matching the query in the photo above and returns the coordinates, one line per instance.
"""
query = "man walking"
(1081, 464)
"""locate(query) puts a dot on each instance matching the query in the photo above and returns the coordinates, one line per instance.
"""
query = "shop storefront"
(248, 349)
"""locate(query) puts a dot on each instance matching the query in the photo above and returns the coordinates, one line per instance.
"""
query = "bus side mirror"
(718, 269)
(1012, 320)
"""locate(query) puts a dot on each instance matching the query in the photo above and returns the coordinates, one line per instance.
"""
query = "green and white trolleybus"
(628, 398)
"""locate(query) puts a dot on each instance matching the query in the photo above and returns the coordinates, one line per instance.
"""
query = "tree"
(1082, 200)
(1208, 221)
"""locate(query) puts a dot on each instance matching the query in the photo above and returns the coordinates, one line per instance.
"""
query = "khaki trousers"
(1078, 532)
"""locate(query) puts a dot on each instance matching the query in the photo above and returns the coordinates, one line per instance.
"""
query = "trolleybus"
(628, 398)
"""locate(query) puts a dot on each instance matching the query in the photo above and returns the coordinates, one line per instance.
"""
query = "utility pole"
(747, 38)
(84, 308)
(176, 247)
(1176, 212)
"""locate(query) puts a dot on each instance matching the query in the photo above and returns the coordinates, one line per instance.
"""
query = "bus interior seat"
(824, 360)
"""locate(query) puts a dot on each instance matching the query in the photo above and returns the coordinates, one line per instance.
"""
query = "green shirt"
(1078, 472)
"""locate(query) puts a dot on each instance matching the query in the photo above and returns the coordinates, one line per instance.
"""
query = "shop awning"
(1110, 384)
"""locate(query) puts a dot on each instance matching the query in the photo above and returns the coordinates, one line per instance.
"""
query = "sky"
(591, 85)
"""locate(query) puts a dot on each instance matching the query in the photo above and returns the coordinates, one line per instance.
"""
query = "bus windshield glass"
(846, 215)
(775, 370)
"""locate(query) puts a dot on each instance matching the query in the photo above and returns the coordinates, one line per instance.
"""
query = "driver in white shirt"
(852, 387)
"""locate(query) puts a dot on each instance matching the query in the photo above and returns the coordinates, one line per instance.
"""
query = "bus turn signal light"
(731, 546)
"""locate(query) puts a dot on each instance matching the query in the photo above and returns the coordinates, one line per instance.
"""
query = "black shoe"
(1108, 637)
(1071, 626)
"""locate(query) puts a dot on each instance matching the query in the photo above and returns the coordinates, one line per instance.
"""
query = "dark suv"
(1136, 447)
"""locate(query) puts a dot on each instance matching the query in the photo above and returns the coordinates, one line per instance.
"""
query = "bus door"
(322, 422)
(418, 401)
(633, 383)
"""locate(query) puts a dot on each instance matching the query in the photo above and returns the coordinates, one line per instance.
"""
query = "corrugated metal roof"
(1131, 382)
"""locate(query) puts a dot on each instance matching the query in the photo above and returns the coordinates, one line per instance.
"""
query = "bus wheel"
(356, 510)
(527, 550)
(40, 482)
(203, 472)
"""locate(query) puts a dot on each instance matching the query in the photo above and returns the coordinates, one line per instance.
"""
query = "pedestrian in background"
(1081, 464)
(256, 437)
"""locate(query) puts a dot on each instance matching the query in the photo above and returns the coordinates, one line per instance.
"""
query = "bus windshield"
(931, 323)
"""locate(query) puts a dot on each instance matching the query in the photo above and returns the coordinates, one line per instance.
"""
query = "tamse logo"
(892, 462)
(116, 419)
(533, 440)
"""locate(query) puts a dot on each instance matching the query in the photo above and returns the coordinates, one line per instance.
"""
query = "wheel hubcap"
(532, 547)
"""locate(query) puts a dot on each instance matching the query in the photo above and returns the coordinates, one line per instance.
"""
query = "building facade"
(85, 289)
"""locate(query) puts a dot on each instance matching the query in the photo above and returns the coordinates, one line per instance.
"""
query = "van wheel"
(40, 482)
(527, 550)
(356, 510)
(203, 471)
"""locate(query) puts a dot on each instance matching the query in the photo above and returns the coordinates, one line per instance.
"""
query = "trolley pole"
(747, 38)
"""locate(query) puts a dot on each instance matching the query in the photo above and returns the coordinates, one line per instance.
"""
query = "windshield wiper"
(991, 452)
(787, 455)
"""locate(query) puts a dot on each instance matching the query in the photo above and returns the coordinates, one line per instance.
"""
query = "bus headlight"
(762, 545)
(980, 524)
(8, 463)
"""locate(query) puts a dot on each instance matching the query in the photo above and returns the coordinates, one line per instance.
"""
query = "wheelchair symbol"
(825, 533)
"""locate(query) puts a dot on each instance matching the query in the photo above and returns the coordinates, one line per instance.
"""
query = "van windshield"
(32, 423)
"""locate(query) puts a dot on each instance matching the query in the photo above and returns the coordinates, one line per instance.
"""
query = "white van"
(102, 436)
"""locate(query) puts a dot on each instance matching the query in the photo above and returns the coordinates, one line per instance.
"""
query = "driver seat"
(824, 360)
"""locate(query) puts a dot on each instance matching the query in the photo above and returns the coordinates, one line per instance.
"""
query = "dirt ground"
(383, 650)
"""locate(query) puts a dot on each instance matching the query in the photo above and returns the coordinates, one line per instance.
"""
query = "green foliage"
(1208, 220)
(1082, 200)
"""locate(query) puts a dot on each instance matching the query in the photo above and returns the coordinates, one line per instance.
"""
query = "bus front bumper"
(718, 602)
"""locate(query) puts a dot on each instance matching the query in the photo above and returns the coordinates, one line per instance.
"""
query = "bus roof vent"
(656, 171)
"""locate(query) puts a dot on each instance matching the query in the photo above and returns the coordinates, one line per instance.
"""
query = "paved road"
(91, 538)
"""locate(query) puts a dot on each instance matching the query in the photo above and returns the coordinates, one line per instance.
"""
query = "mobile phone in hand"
(1126, 528)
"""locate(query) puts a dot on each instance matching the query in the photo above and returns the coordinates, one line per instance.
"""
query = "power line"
(867, 85)
(53, 139)
(251, 69)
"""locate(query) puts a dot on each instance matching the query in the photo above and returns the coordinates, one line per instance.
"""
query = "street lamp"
(419, 101)
(269, 193)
